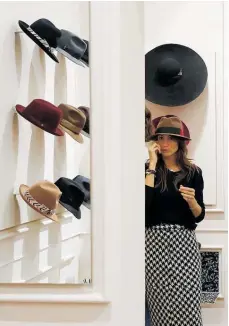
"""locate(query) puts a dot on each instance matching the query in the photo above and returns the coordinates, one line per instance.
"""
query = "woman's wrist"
(193, 205)
(152, 166)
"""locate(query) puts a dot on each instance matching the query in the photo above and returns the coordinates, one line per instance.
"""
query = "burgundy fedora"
(42, 114)
(184, 129)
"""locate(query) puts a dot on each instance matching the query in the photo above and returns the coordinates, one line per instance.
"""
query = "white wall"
(200, 25)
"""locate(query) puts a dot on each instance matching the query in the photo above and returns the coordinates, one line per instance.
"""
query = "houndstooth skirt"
(173, 276)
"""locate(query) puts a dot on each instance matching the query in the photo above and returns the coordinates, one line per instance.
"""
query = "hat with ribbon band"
(170, 126)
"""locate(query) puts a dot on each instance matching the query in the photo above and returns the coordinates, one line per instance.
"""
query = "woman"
(174, 206)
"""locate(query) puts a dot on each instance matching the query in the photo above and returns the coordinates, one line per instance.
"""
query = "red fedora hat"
(184, 129)
(42, 114)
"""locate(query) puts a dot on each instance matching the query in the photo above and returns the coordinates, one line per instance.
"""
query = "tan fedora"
(170, 126)
(73, 121)
(43, 197)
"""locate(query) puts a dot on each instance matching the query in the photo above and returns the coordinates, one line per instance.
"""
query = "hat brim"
(77, 137)
(175, 135)
(22, 189)
(79, 62)
(86, 204)
(86, 134)
(74, 211)
(188, 88)
(57, 132)
(24, 28)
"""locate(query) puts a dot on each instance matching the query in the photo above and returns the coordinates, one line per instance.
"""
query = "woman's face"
(168, 145)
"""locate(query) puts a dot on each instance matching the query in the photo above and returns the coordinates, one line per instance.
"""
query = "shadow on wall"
(60, 96)
(193, 114)
(36, 152)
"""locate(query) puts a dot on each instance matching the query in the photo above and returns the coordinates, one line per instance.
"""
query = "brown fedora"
(73, 121)
(43, 197)
(170, 126)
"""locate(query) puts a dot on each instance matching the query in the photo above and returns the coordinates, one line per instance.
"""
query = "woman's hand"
(189, 195)
(153, 149)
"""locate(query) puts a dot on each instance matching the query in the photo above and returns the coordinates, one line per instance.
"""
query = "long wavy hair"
(187, 167)
(148, 125)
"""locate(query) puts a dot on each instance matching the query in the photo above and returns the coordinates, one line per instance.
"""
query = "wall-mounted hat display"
(86, 129)
(174, 75)
(72, 196)
(84, 183)
(43, 197)
(42, 114)
(171, 125)
(73, 47)
(184, 130)
(72, 122)
(44, 33)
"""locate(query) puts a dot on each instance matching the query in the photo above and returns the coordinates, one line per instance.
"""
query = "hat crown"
(46, 193)
(43, 113)
(72, 118)
(169, 122)
(71, 192)
(46, 30)
(168, 72)
(72, 44)
(85, 110)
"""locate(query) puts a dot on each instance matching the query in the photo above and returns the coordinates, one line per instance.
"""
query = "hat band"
(70, 126)
(42, 41)
(168, 130)
(40, 207)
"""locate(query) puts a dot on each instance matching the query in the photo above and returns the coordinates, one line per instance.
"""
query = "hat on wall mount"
(44, 33)
(42, 114)
(170, 125)
(72, 122)
(86, 129)
(73, 47)
(72, 196)
(84, 183)
(174, 75)
(43, 197)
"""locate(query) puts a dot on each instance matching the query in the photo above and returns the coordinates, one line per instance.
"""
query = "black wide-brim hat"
(72, 196)
(174, 75)
(44, 34)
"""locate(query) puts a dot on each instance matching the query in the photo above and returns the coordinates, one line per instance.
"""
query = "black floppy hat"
(44, 33)
(72, 196)
(174, 75)
(73, 47)
(84, 184)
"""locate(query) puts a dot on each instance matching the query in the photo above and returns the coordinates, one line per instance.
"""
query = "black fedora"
(84, 184)
(73, 47)
(86, 129)
(72, 196)
(174, 75)
(44, 33)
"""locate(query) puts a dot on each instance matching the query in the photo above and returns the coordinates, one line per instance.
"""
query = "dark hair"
(148, 125)
(187, 167)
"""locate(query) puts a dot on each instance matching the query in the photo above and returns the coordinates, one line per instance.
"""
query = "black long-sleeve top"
(169, 206)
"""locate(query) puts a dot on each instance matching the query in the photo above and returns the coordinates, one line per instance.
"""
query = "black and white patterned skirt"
(173, 276)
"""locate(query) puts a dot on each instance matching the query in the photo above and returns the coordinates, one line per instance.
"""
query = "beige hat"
(43, 197)
(73, 121)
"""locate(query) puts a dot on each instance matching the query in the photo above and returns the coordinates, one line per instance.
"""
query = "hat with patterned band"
(44, 33)
(170, 126)
(43, 197)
